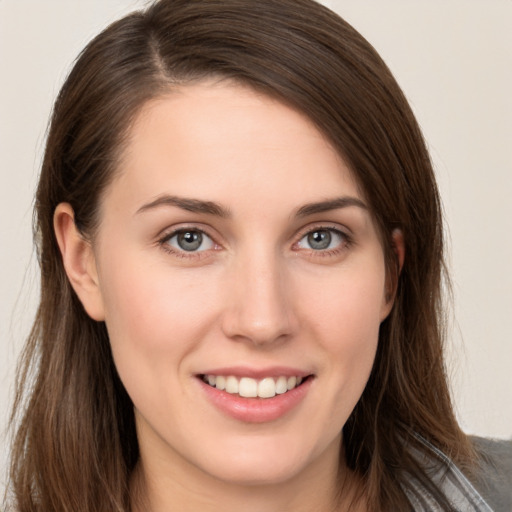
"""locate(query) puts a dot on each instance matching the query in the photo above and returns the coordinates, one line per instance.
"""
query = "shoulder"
(493, 478)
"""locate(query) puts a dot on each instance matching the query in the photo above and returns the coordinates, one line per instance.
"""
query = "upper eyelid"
(172, 234)
(169, 232)
(324, 226)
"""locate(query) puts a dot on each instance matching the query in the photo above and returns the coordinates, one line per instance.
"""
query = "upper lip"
(257, 373)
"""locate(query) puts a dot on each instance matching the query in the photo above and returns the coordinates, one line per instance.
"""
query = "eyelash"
(345, 243)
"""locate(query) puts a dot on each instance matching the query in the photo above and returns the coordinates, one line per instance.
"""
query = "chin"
(254, 475)
(262, 463)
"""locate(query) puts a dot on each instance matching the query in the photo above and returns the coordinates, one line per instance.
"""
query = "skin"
(256, 294)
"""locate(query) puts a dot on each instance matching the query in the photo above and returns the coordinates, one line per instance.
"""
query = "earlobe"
(79, 261)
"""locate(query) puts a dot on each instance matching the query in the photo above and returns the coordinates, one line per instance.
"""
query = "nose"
(258, 308)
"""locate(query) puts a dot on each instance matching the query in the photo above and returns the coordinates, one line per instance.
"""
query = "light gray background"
(453, 59)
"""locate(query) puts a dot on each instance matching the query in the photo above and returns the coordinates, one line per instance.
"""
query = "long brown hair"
(76, 444)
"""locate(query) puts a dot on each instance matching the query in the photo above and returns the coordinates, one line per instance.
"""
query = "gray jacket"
(494, 478)
(489, 490)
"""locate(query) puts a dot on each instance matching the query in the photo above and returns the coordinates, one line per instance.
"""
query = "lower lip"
(256, 410)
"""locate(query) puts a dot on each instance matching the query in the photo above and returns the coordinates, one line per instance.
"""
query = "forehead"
(226, 140)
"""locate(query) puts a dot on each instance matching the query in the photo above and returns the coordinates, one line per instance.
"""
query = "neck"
(324, 486)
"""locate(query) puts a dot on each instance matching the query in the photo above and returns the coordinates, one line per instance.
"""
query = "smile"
(248, 387)
(263, 397)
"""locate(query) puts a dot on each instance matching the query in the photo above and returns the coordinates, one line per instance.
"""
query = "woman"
(241, 250)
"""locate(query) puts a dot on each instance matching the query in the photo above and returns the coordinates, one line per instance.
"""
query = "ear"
(398, 245)
(79, 261)
(393, 273)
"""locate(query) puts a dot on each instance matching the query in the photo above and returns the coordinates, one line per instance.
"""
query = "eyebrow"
(330, 204)
(190, 205)
(212, 208)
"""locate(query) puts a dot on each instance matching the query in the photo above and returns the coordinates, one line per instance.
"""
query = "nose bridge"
(259, 309)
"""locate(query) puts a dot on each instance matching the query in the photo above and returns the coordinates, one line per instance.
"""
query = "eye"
(322, 239)
(190, 240)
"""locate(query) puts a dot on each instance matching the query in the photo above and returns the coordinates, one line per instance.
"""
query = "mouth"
(256, 396)
(248, 387)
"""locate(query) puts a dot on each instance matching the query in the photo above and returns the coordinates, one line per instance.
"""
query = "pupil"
(319, 240)
(190, 240)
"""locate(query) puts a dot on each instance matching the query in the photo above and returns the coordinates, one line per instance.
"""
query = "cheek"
(346, 319)
(154, 319)
(147, 298)
(348, 306)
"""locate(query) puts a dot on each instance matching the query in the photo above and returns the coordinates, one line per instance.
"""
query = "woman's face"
(242, 282)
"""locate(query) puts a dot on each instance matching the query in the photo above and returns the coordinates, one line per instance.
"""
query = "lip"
(256, 410)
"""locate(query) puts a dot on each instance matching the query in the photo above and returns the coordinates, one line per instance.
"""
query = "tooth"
(281, 385)
(232, 385)
(248, 387)
(251, 388)
(267, 388)
(221, 382)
